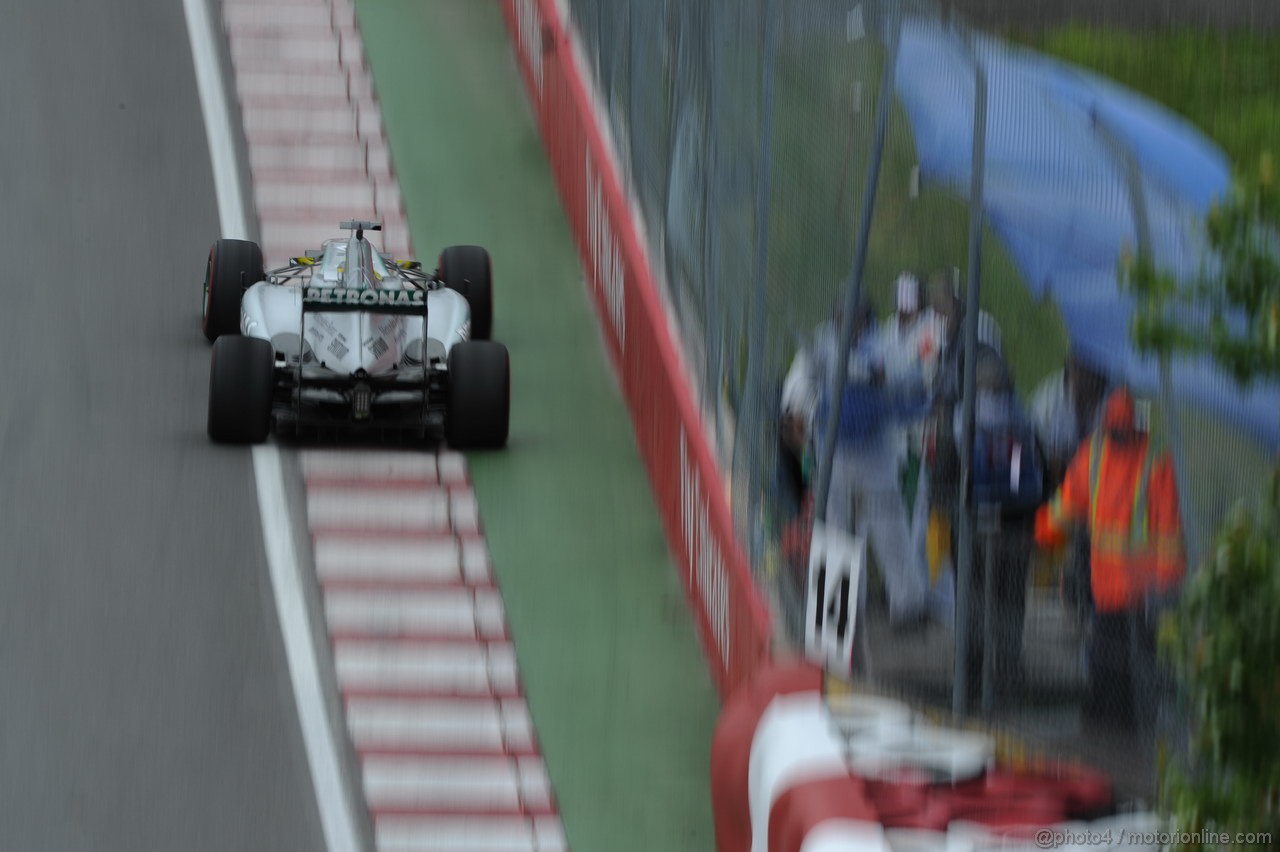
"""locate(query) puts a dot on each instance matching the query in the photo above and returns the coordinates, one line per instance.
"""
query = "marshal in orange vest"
(1123, 490)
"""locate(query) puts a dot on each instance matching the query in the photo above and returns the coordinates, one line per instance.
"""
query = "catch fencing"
(774, 183)
(733, 622)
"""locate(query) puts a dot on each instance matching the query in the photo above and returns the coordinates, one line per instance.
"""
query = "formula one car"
(348, 339)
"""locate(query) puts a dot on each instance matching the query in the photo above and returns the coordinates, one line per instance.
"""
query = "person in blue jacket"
(865, 496)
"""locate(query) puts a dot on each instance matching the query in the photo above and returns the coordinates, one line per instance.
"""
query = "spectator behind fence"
(1007, 479)
(1066, 408)
(798, 401)
(1122, 489)
(946, 301)
(942, 459)
(792, 473)
(865, 493)
(913, 338)
(864, 478)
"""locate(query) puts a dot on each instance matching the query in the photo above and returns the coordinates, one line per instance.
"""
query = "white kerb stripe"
(336, 156)
(465, 834)
(303, 83)
(409, 510)
(435, 560)
(489, 611)
(303, 194)
(549, 832)
(476, 783)
(447, 723)
(475, 560)
(280, 53)
(307, 122)
(447, 612)
(359, 464)
(453, 467)
(535, 785)
(464, 512)
(289, 17)
(477, 669)
(283, 49)
(517, 725)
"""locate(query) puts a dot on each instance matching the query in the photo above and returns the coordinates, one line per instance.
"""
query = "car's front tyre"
(233, 267)
(479, 401)
(241, 387)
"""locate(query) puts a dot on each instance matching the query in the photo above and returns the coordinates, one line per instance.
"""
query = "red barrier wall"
(687, 483)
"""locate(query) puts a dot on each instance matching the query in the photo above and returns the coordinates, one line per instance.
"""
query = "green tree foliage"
(1225, 645)
(1224, 637)
(1233, 311)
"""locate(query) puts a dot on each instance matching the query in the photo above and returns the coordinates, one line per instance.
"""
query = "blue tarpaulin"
(1057, 197)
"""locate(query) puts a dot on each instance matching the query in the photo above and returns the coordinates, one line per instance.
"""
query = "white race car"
(348, 339)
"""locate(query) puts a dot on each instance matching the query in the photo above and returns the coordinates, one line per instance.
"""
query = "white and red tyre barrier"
(795, 771)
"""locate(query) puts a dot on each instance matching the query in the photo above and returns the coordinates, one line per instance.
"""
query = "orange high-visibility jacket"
(1128, 499)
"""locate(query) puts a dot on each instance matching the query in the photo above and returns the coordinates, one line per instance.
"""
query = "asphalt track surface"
(144, 700)
(615, 679)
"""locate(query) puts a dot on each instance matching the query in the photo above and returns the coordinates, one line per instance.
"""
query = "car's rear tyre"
(479, 412)
(233, 267)
(241, 387)
(469, 270)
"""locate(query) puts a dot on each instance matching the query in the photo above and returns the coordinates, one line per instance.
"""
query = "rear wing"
(347, 300)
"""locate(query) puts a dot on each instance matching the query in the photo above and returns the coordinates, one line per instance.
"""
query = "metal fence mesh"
(744, 131)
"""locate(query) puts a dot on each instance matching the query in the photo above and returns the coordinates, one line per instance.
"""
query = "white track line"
(295, 624)
(334, 805)
(217, 124)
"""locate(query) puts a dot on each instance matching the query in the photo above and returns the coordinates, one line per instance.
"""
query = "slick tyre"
(479, 401)
(469, 271)
(241, 385)
(233, 267)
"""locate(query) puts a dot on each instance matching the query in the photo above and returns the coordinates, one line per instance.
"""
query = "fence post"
(710, 267)
(840, 373)
(751, 414)
(965, 535)
(1142, 224)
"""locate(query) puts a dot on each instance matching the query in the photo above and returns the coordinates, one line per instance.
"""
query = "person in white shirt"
(1065, 409)
(914, 334)
(912, 339)
(864, 475)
